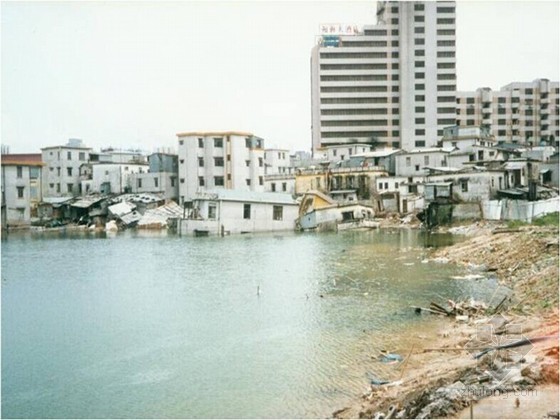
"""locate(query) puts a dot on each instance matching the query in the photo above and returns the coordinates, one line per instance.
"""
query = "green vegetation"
(550, 219)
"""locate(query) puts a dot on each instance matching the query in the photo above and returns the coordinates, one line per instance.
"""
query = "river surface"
(154, 326)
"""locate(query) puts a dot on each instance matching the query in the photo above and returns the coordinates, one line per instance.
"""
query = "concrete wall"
(158, 182)
(467, 211)
(58, 160)
(20, 210)
(116, 174)
(411, 164)
(519, 209)
(243, 167)
(230, 215)
(280, 183)
(277, 161)
(479, 186)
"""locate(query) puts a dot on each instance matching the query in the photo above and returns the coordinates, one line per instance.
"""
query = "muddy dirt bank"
(439, 376)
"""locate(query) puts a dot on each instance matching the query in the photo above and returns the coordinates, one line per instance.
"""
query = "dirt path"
(445, 382)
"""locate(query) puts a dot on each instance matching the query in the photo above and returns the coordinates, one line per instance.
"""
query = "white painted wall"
(18, 210)
(56, 177)
(236, 172)
(230, 215)
(118, 175)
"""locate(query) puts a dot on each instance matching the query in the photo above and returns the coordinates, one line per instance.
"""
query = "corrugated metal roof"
(57, 200)
(160, 215)
(120, 209)
(130, 218)
(86, 202)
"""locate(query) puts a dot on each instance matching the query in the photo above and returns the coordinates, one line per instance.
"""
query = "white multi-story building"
(61, 175)
(389, 84)
(213, 160)
(21, 188)
(161, 178)
(277, 161)
(525, 113)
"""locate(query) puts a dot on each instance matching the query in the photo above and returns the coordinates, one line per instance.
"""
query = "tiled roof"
(23, 159)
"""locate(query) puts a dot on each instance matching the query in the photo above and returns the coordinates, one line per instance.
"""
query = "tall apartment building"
(389, 84)
(213, 160)
(525, 113)
(61, 176)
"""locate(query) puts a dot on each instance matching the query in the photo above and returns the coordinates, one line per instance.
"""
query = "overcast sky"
(133, 74)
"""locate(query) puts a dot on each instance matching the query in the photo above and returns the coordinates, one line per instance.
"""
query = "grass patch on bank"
(550, 219)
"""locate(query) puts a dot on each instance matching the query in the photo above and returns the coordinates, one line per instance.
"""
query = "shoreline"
(446, 382)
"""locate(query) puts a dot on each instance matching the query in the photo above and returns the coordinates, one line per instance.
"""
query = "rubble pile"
(463, 366)
(524, 259)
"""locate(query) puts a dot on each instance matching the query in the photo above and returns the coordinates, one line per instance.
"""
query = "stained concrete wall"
(518, 209)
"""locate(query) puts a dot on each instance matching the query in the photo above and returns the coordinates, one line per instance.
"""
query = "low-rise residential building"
(228, 160)
(283, 183)
(222, 212)
(399, 194)
(467, 184)
(21, 188)
(61, 177)
(277, 161)
(114, 178)
(354, 175)
(415, 162)
(162, 177)
(342, 152)
(114, 155)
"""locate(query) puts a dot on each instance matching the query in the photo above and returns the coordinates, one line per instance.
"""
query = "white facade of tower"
(390, 84)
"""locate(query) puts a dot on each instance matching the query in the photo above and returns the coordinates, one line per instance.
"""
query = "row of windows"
(69, 171)
(81, 155)
(445, 65)
(352, 134)
(331, 55)
(446, 88)
(334, 89)
(273, 186)
(446, 32)
(354, 123)
(359, 77)
(377, 111)
(69, 188)
(445, 21)
(366, 43)
(219, 181)
(277, 212)
(354, 100)
(219, 161)
(375, 32)
(361, 66)
(33, 172)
